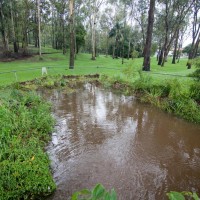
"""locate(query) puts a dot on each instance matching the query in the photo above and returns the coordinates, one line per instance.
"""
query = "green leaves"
(97, 193)
(83, 192)
(25, 123)
(173, 195)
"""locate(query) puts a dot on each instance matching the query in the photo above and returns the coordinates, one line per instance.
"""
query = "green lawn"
(57, 63)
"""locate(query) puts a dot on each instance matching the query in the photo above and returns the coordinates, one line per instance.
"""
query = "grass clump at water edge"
(25, 124)
(170, 95)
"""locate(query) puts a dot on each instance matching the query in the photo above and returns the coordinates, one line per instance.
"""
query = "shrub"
(135, 54)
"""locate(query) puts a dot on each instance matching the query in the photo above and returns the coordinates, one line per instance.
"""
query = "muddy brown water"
(140, 151)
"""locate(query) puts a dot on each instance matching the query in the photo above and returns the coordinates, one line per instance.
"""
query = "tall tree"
(147, 48)
(140, 14)
(174, 15)
(39, 29)
(15, 46)
(4, 26)
(195, 32)
(71, 21)
(94, 7)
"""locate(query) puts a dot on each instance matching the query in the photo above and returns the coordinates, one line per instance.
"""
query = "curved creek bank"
(138, 150)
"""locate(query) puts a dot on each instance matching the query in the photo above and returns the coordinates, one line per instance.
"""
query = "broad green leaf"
(98, 191)
(175, 196)
(107, 196)
(75, 196)
(85, 192)
(195, 196)
(113, 195)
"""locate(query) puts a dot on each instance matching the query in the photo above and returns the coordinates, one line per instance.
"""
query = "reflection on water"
(104, 138)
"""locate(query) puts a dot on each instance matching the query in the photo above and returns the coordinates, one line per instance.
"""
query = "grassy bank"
(25, 124)
(175, 96)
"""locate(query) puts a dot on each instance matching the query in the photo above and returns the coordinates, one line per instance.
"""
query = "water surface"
(101, 137)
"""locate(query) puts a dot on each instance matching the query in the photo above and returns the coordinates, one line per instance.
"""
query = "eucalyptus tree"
(195, 31)
(14, 40)
(39, 28)
(72, 46)
(4, 24)
(60, 15)
(147, 48)
(178, 44)
(94, 7)
(106, 23)
(174, 14)
(139, 12)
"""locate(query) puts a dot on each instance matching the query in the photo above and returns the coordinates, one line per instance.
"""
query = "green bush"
(25, 123)
(135, 54)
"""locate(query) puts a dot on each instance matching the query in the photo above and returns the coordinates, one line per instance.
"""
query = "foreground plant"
(182, 195)
(96, 193)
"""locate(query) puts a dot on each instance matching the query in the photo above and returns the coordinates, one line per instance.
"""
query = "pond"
(102, 137)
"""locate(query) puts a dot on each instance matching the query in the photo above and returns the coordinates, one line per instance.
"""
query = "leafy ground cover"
(25, 124)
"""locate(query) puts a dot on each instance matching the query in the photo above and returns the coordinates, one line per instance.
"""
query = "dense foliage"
(25, 124)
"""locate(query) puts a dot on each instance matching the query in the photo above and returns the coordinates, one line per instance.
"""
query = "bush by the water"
(25, 124)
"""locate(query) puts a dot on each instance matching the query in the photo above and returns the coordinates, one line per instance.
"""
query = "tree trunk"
(167, 48)
(147, 48)
(39, 31)
(113, 54)
(71, 18)
(196, 46)
(64, 37)
(4, 31)
(93, 39)
(53, 29)
(107, 45)
(175, 48)
(129, 48)
(13, 29)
